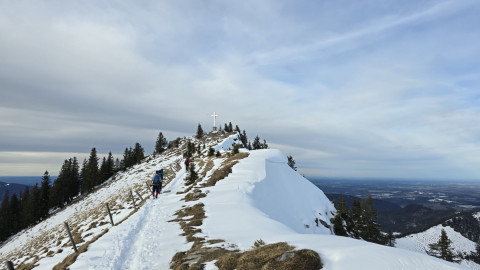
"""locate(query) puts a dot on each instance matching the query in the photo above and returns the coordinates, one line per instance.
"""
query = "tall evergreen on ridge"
(291, 162)
(107, 169)
(90, 173)
(45, 195)
(442, 249)
(26, 212)
(5, 225)
(161, 144)
(199, 132)
(14, 213)
(138, 153)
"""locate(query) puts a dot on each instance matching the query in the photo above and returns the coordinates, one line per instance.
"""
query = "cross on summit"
(214, 121)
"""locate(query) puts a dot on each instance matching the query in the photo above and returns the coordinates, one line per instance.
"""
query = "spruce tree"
(161, 144)
(291, 162)
(5, 225)
(192, 174)
(35, 201)
(91, 175)
(256, 143)
(138, 154)
(442, 249)
(230, 127)
(199, 132)
(15, 213)
(26, 211)
(45, 195)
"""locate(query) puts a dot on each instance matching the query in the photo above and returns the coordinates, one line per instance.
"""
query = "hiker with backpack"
(157, 182)
(187, 162)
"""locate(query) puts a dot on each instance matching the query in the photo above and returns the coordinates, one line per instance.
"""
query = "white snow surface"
(262, 198)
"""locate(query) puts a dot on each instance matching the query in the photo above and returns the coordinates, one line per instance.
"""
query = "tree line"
(33, 205)
(360, 222)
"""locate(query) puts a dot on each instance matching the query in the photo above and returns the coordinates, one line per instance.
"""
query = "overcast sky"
(371, 89)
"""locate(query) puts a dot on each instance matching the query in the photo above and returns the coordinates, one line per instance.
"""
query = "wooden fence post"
(139, 195)
(10, 265)
(133, 199)
(148, 185)
(71, 238)
(110, 214)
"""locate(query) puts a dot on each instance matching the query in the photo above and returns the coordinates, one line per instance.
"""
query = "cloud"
(374, 89)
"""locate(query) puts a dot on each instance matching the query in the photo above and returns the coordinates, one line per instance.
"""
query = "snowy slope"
(261, 198)
(420, 242)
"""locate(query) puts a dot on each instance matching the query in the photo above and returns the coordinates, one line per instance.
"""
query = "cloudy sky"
(375, 88)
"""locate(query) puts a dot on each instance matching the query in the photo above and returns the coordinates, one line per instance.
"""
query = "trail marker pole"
(133, 199)
(71, 238)
(110, 214)
(139, 195)
(10, 265)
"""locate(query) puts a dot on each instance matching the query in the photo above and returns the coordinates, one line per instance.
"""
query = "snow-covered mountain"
(419, 242)
(240, 200)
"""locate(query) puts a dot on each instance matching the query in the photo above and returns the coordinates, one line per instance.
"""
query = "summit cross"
(214, 121)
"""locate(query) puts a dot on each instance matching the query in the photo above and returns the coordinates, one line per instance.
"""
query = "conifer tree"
(291, 162)
(390, 239)
(26, 211)
(5, 227)
(35, 201)
(161, 144)
(199, 132)
(192, 174)
(138, 153)
(45, 195)
(442, 249)
(91, 175)
(256, 143)
(14, 212)
(230, 127)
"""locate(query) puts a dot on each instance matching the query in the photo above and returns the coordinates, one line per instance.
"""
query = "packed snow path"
(144, 241)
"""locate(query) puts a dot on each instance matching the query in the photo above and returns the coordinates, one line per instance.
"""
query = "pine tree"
(342, 221)
(91, 175)
(442, 249)
(45, 195)
(5, 225)
(256, 143)
(291, 162)
(230, 127)
(15, 213)
(192, 174)
(199, 132)
(390, 239)
(138, 154)
(36, 197)
(161, 144)
(26, 211)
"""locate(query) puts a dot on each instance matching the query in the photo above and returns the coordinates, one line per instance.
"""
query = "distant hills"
(12, 189)
(17, 184)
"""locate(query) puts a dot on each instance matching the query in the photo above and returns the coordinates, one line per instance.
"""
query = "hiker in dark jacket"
(157, 183)
(187, 162)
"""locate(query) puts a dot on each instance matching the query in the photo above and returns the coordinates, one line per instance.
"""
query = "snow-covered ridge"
(262, 198)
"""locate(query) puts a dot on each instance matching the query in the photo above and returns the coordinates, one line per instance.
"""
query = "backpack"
(156, 179)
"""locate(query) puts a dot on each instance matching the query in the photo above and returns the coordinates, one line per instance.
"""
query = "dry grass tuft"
(278, 256)
(225, 169)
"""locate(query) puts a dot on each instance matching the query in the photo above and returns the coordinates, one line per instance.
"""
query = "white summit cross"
(214, 121)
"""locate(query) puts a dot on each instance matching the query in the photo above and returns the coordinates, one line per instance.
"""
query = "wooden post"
(110, 214)
(133, 199)
(71, 238)
(10, 265)
(148, 186)
(139, 195)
